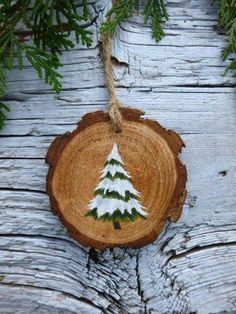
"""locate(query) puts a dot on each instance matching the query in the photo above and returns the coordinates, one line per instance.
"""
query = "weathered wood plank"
(187, 110)
(21, 298)
(191, 268)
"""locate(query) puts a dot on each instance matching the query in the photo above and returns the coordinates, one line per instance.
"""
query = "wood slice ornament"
(116, 179)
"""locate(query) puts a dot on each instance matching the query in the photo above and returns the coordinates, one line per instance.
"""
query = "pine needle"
(227, 20)
(50, 24)
(154, 10)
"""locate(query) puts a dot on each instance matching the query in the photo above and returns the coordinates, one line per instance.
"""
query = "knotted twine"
(114, 103)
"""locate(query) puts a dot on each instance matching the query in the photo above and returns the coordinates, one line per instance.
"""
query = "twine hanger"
(114, 103)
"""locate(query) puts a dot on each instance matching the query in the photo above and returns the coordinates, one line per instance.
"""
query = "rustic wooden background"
(191, 268)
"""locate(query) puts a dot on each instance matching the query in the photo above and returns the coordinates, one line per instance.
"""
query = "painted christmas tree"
(115, 198)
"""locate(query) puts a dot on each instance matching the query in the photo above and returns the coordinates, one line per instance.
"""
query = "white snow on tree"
(115, 198)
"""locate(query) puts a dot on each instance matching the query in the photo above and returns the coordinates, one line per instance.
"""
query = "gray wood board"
(191, 268)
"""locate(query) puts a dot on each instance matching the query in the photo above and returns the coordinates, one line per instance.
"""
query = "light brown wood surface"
(150, 154)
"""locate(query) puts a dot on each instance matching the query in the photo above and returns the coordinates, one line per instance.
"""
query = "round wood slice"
(150, 155)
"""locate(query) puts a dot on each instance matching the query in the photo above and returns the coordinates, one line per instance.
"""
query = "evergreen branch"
(3, 109)
(120, 11)
(157, 11)
(227, 20)
(45, 63)
(123, 9)
(48, 35)
(50, 24)
(3, 83)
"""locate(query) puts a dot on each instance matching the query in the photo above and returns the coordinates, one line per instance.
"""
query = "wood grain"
(191, 267)
(151, 157)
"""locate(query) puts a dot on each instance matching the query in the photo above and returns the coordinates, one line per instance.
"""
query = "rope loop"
(114, 104)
